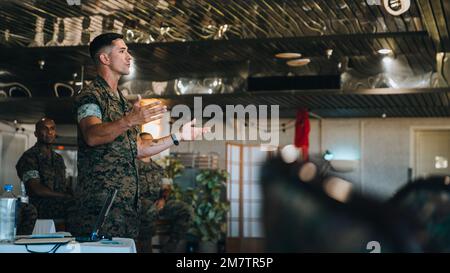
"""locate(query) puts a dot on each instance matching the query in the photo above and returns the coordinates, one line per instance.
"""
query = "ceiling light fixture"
(385, 51)
(288, 55)
(298, 62)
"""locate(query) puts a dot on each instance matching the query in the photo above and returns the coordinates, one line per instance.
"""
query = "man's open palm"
(190, 133)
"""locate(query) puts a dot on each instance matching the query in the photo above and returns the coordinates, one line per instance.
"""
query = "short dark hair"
(145, 134)
(41, 122)
(101, 41)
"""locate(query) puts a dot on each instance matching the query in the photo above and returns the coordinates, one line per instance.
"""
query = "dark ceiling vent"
(294, 83)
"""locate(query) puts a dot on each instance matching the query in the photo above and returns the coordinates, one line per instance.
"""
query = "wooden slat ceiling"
(255, 30)
(215, 38)
(229, 58)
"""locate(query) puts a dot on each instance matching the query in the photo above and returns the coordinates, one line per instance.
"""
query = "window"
(244, 191)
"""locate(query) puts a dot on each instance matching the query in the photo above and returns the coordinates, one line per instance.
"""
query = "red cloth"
(302, 128)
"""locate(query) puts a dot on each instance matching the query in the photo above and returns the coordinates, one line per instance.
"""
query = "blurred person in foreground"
(305, 211)
(428, 200)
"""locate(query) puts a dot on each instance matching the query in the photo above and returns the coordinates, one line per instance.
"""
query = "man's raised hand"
(141, 114)
(191, 133)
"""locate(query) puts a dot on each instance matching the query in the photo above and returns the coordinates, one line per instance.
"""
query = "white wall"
(11, 148)
(387, 151)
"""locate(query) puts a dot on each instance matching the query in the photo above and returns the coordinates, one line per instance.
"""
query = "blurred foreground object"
(321, 214)
(428, 199)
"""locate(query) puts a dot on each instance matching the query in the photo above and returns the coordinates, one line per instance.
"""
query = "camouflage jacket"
(49, 169)
(112, 165)
(150, 180)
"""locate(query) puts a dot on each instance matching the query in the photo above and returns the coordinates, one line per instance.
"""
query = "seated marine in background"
(158, 206)
(43, 172)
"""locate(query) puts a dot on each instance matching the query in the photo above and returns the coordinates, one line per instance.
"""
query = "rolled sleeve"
(32, 174)
(88, 110)
(28, 166)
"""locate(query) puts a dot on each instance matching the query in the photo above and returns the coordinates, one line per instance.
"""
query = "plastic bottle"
(23, 191)
(8, 211)
(8, 191)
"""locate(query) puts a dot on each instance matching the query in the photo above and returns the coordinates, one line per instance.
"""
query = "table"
(117, 245)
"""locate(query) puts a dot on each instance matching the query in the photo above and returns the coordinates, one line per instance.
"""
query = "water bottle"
(8, 188)
(8, 211)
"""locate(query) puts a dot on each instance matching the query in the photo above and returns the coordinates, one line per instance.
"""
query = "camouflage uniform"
(26, 219)
(177, 213)
(150, 176)
(51, 172)
(106, 167)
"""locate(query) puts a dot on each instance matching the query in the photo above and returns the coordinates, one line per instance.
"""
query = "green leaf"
(209, 210)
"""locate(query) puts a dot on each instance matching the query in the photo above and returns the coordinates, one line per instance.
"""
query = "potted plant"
(210, 208)
(172, 168)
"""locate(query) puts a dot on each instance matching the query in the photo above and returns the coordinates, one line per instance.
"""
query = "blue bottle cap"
(8, 187)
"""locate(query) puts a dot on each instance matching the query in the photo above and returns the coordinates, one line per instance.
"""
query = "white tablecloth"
(117, 245)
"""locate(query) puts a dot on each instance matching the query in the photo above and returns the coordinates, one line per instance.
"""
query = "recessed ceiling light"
(298, 62)
(385, 51)
(288, 55)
